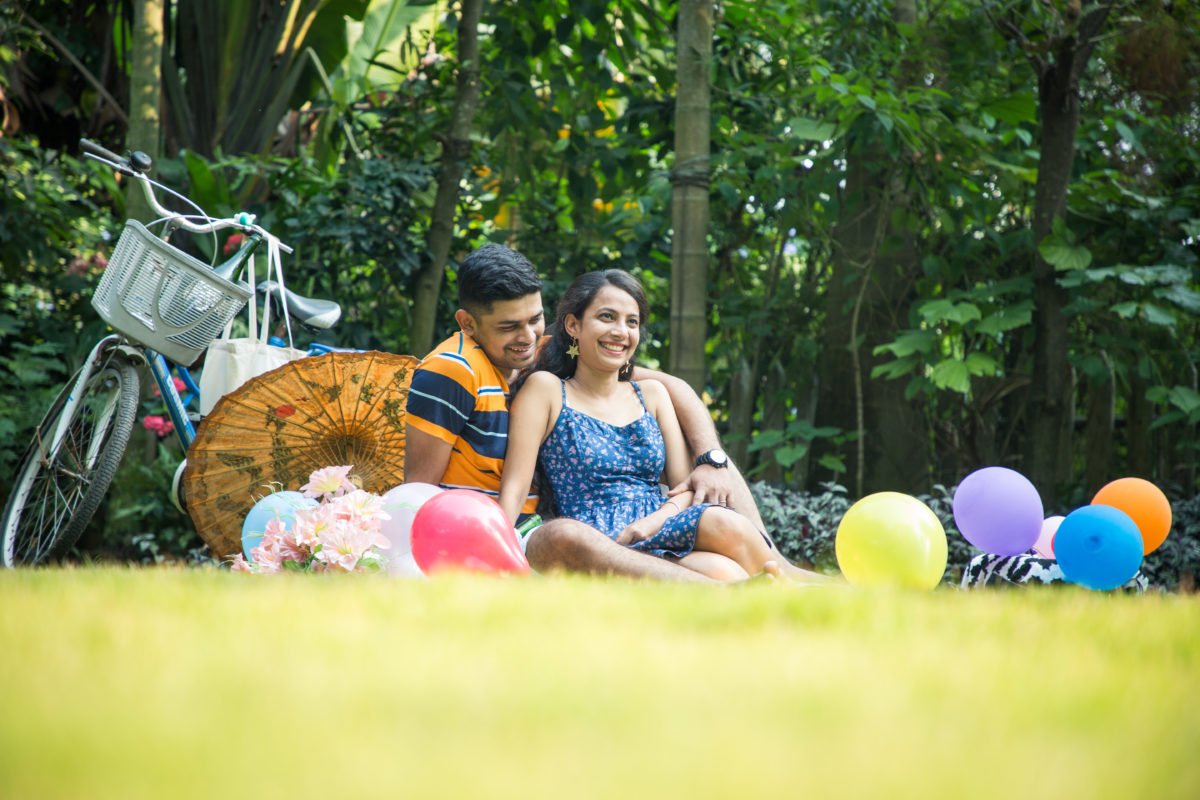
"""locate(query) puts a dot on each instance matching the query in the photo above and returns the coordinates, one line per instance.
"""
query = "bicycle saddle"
(307, 311)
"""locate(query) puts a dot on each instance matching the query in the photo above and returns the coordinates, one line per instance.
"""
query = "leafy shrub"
(804, 524)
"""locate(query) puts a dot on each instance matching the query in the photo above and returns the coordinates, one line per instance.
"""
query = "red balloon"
(464, 529)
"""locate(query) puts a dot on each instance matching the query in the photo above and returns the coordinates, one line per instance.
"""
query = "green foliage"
(142, 525)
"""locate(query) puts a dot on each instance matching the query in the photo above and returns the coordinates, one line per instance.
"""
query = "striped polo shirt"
(459, 396)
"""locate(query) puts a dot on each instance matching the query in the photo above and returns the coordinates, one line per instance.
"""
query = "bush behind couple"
(600, 431)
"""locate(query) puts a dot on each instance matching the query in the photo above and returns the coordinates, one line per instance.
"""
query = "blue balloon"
(283, 505)
(1099, 547)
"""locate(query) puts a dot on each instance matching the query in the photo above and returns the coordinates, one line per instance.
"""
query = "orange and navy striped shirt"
(459, 396)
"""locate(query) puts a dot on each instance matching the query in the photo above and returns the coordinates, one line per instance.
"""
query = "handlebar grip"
(95, 149)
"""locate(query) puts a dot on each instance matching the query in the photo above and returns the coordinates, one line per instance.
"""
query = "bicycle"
(165, 307)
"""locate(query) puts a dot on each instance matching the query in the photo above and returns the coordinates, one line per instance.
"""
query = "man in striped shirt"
(458, 418)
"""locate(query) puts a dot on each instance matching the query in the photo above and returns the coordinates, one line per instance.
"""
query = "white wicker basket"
(163, 298)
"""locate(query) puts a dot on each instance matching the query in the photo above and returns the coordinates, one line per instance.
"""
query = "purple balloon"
(998, 510)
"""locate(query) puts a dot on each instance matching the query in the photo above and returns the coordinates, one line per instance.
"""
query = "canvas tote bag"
(230, 362)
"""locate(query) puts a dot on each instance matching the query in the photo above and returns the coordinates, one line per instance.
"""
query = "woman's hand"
(639, 531)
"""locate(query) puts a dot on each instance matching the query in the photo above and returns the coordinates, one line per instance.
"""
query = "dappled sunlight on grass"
(155, 683)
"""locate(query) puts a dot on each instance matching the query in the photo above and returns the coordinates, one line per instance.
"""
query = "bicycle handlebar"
(126, 167)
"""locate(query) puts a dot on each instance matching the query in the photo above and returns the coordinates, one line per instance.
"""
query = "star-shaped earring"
(573, 350)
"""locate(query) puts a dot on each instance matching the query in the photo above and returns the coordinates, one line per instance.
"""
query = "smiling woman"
(604, 442)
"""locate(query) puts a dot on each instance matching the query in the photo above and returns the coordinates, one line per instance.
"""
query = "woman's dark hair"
(575, 301)
(492, 273)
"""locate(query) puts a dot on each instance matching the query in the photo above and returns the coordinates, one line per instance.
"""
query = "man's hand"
(711, 485)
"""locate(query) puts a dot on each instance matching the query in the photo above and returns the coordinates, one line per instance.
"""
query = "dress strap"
(563, 381)
(638, 389)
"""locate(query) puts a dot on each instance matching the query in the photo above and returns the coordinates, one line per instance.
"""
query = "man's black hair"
(494, 273)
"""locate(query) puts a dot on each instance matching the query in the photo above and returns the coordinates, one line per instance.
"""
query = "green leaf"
(1014, 108)
(909, 343)
(1064, 256)
(1157, 315)
(1006, 318)
(832, 463)
(811, 130)
(952, 374)
(896, 369)
(1125, 310)
(787, 456)
(1186, 399)
(982, 364)
(1182, 296)
(936, 311)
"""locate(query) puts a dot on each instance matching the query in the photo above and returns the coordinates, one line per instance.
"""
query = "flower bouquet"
(341, 533)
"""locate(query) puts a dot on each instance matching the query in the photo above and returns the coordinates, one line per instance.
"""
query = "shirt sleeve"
(442, 396)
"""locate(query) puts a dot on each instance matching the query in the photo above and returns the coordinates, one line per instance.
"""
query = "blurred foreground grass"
(166, 683)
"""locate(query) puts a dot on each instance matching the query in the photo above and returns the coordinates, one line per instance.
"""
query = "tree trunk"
(456, 148)
(145, 82)
(741, 411)
(870, 289)
(689, 196)
(1052, 404)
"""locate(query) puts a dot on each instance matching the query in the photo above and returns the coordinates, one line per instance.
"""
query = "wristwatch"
(714, 458)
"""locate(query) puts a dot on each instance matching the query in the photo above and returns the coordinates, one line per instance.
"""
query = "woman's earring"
(573, 350)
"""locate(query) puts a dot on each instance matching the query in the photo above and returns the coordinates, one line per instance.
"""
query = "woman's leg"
(714, 565)
(728, 533)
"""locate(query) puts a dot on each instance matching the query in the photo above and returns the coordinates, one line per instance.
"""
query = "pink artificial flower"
(280, 541)
(159, 424)
(360, 507)
(265, 560)
(329, 482)
(240, 564)
(343, 546)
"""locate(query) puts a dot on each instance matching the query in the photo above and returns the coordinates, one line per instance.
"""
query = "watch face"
(717, 457)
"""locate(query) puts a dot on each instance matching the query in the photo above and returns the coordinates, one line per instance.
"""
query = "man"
(458, 418)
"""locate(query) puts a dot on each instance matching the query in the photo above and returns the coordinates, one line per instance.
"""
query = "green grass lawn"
(165, 683)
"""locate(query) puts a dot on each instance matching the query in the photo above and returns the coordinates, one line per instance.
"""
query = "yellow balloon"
(891, 539)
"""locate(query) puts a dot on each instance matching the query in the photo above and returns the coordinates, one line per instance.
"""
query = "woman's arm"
(530, 419)
(651, 524)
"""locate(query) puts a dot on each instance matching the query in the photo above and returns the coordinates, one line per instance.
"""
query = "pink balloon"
(401, 504)
(1044, 546)
(463, 529)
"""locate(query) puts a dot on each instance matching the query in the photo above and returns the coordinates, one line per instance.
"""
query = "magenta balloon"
(998, 510)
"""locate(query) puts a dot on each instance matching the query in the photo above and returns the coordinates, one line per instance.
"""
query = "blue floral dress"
(607, 476)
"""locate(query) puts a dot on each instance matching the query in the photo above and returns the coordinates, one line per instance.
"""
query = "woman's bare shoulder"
(541, 385)
(654, 392)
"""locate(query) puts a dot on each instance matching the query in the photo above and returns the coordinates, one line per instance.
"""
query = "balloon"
(1098, 547)
(401, 504)
(1044, 546)
(891, 539)
(465, 529)
(1144, 503)
(998, 510)
(283, 505)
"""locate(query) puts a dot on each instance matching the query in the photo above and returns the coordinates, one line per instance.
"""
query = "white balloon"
(401, 504)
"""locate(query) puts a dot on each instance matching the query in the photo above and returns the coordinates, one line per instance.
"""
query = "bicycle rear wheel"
(59, 487)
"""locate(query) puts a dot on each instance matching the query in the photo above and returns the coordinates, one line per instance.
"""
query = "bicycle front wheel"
(69, 466)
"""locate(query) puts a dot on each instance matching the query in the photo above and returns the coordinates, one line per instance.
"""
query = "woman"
(603, 441)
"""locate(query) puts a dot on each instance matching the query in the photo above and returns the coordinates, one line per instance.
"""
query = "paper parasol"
(272, 432)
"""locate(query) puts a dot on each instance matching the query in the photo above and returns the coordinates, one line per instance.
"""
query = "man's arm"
(725, 486)
(425, 457)
(694, 419)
